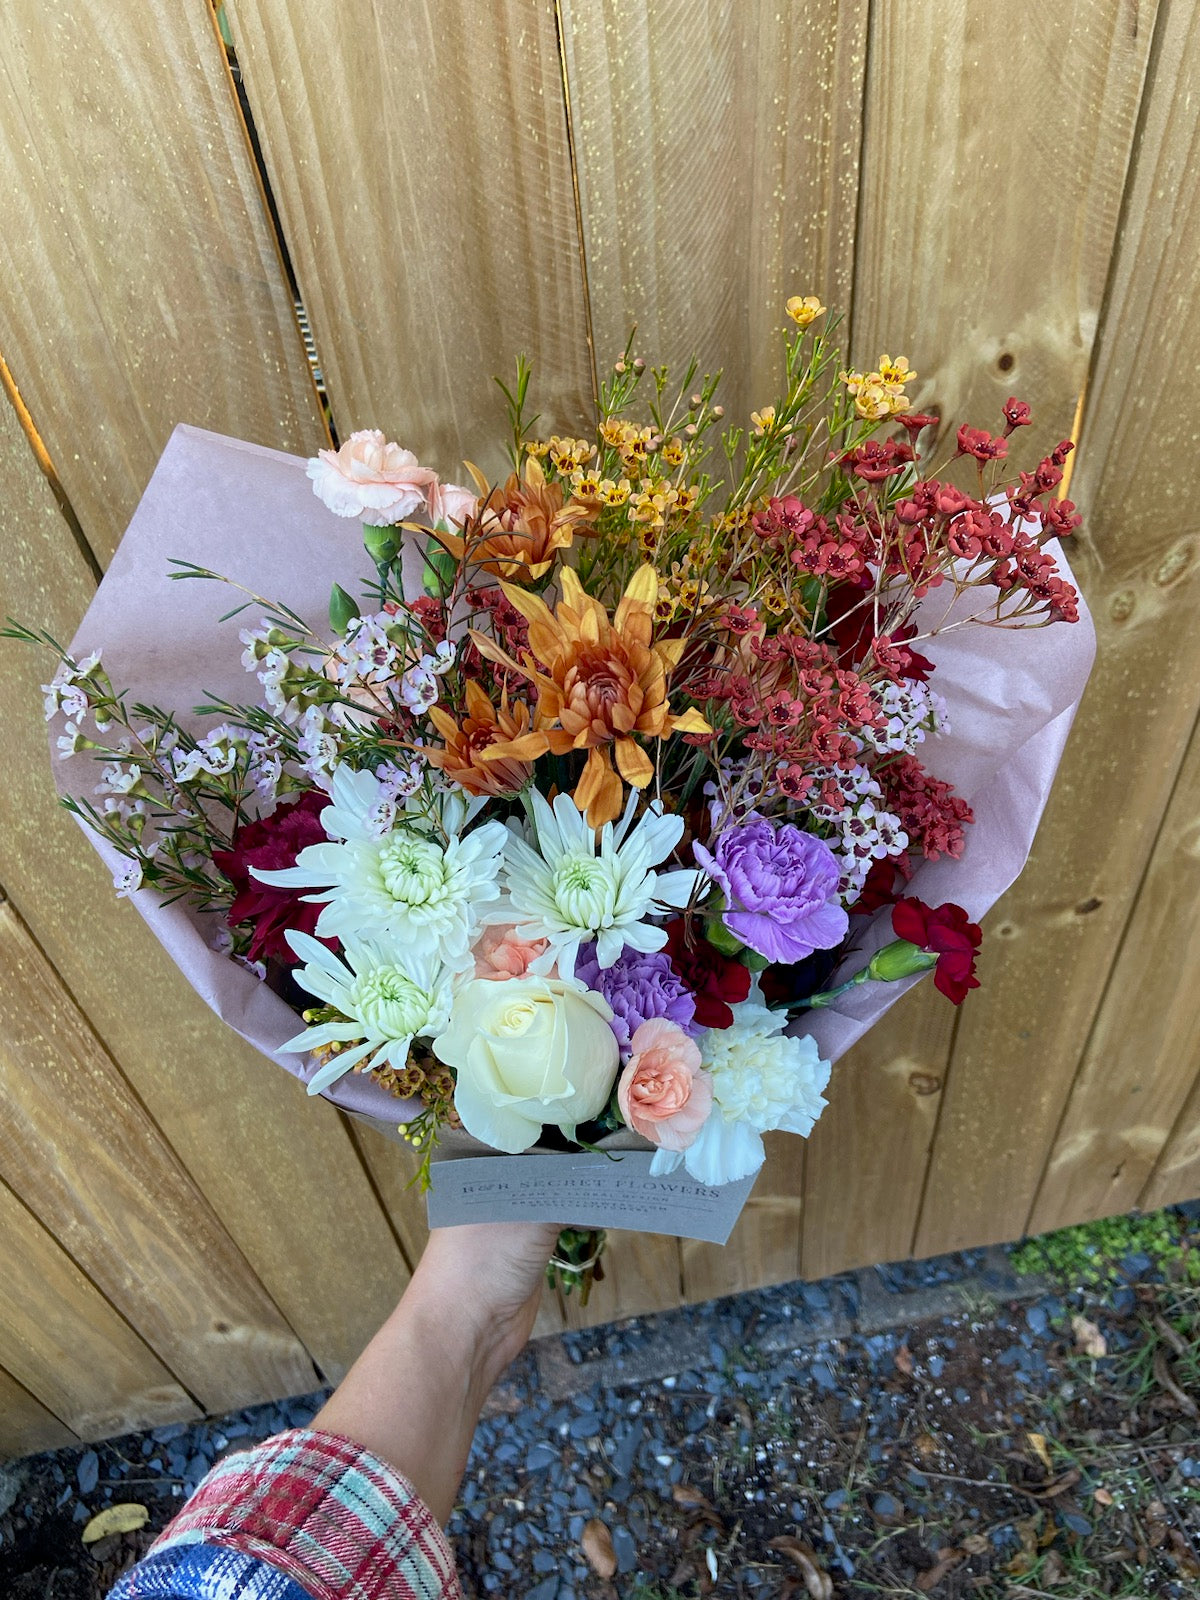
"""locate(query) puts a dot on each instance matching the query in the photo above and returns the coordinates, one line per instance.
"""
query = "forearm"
(414, 1395)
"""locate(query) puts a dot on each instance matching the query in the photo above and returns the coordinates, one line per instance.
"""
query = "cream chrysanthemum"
(386, 996)
(762, 1080)
(575, 886)
(418, 880)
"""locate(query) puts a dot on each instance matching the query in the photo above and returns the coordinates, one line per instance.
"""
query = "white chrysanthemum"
(575, 887)
(388, 995)
(420, 883)
(762, 1080)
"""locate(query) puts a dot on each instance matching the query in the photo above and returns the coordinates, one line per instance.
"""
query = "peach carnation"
(370, 478)
(663, 1093)
(500, 954)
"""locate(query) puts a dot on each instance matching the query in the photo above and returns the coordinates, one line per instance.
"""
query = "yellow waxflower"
(763, 419)
(897, 372)
(614, 494)
(804, 309)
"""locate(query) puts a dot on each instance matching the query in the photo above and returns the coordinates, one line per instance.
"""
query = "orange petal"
(634, 765)
(669, 651)
(478, 704)
(598, 792)
(525, 747)
(689, 721)
(531, 606)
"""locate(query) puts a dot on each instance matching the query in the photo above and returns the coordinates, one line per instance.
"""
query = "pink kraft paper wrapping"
(249, 513)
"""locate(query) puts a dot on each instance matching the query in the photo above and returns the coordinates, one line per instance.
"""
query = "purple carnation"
(639, 985)
(780, 887)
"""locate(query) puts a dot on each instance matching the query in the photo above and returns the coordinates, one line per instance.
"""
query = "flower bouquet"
(602, 805)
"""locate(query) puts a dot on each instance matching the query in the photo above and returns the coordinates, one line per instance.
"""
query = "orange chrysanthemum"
(601, 685)
(464, 755)
(521, 526)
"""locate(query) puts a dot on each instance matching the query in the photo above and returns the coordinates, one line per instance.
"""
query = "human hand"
(488, 1277)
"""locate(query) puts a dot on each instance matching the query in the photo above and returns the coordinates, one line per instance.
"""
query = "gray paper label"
(585, 1191)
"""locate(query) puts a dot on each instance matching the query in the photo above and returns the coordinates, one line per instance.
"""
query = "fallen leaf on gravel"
(1182, 1554)
(904, 1361)
(1156, 1523)
(598, 1548)
(1037, 1442)
(125, 1518)
(977, 1544)
(684, 1495)
(1102, 1497)
(946, 1563)
(1089, 1341)
(816, 1580)
(1052, 1570)
(926, 1445)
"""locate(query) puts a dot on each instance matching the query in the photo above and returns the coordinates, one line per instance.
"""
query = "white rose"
(527, 1052)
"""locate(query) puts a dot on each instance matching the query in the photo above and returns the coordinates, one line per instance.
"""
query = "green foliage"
(1090, 1255)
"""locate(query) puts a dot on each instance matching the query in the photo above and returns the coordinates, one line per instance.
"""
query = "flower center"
(584, 892)
(389, 1003)
(413, 869)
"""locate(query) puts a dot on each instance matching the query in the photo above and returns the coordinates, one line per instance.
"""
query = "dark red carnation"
(879, 889)
(717, 981)
(946, 933)
(271, 844)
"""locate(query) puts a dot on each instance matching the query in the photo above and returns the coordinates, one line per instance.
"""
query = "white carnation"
(762, 1080)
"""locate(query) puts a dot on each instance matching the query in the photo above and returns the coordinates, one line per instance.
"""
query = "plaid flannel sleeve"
(302, 1516)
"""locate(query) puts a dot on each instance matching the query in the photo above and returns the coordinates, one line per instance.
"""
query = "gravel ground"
(943, 1427)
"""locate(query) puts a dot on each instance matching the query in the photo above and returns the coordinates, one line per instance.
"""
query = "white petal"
(339, 1066)
(723, 1152)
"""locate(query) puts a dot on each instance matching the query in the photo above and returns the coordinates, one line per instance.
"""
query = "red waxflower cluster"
(932, 815)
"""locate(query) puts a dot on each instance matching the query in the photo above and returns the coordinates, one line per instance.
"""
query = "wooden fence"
(1005, 194)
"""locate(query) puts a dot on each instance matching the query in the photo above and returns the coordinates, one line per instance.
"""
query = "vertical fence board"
(63, 1342)
(420, 165)
(142, 282)
(989, 273)
(699, 240)
(1144, 1052)
(869, 1153)
(1176, 1175)
(26, 1427)
(718, 152)
(764, 1246)
(278, 1169)
(79, 1150)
